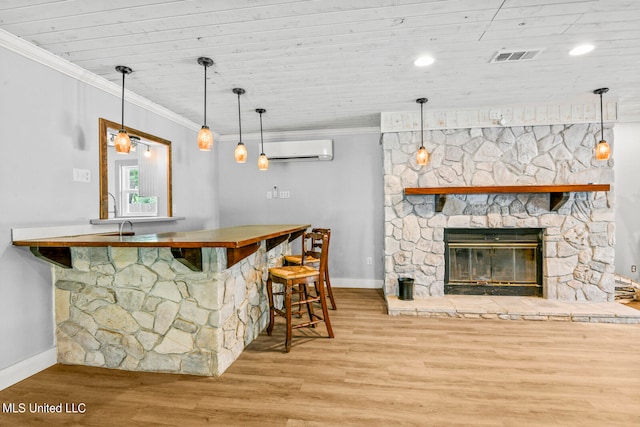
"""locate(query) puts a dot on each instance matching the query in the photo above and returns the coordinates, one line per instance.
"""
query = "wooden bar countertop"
(231, 237)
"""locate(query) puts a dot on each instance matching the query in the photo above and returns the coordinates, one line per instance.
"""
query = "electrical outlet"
(81, 175)
(633, 268)
(495, 115)
(369, 260)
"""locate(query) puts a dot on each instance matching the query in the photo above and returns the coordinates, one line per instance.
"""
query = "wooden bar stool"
(296, 279)
(311, 249)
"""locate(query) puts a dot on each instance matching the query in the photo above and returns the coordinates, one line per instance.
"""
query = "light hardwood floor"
(379, 371)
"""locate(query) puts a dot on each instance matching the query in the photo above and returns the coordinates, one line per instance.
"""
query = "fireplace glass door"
(490, 262)
(484, 264)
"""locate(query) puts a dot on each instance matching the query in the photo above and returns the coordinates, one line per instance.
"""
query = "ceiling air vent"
(515, 55)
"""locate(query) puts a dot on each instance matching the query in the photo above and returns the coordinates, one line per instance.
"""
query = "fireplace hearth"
(493, 261)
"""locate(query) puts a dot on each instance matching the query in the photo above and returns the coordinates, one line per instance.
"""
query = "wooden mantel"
(558, 194)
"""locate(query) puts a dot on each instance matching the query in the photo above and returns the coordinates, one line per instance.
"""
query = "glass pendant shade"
(263, 162)
(603, 150)
(122, 142)
(422, 156)
(205, 139)
(241, 153)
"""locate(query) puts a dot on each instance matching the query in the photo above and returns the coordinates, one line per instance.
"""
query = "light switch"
(82, 175)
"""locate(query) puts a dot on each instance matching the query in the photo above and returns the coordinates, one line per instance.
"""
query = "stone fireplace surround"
(578, 239)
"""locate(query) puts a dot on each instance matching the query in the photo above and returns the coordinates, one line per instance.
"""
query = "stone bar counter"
(180, 302)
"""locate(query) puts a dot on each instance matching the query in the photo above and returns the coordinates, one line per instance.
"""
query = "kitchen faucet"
(115, 206)
(122, 226)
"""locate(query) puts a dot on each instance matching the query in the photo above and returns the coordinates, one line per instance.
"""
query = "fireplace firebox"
(493, 261)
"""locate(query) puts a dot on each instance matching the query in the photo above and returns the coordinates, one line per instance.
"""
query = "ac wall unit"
(291, 151)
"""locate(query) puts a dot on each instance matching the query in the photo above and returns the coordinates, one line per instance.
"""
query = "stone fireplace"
(576, 251)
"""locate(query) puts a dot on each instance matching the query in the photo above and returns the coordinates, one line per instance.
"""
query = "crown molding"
(300, 134)
(28, 50)
(528, 115)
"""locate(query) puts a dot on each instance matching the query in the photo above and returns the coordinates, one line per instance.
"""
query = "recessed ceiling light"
(581, 50)
(424, 61)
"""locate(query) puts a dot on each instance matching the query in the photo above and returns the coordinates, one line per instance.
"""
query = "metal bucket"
(405, 289)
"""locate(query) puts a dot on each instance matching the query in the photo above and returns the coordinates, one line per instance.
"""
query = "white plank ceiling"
(336, 64)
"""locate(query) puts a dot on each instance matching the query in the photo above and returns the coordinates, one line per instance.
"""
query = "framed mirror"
(137, 184)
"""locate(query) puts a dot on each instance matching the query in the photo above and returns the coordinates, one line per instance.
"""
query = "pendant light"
(602, 149)
(263, 161)
(241, 150)
(205, 137)
(422, 156)
(122, 141)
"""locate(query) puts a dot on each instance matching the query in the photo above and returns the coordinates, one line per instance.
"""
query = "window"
(131, 202)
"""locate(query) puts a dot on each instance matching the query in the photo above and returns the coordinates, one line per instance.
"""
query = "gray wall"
(50, 126)
(626, 153)
(344, 194)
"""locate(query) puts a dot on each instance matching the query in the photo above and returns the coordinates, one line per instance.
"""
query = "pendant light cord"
(421, 126)
(601, 120)
(421, 101)
(122, 123)
(205, 95)
(239, 120)
(261, 140)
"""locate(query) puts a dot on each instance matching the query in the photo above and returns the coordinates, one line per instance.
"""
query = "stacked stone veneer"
(578, 239)
(139, 309)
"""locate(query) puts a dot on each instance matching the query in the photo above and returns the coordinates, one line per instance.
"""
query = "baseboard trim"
(356, 283)
(22, 370)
